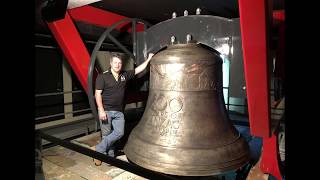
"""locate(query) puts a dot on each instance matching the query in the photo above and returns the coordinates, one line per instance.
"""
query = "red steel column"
(269, 158)
(73, 47)
(254, 23)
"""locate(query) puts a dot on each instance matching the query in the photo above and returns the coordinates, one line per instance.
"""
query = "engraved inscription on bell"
(165, 115)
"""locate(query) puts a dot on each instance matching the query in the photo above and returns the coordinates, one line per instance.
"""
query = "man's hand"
(143, 66)
(102, 115)
(150, 56)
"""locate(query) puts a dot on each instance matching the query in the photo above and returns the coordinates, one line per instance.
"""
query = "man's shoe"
(96, 161)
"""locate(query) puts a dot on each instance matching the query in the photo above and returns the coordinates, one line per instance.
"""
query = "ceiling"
(156, 11)
(153, 11)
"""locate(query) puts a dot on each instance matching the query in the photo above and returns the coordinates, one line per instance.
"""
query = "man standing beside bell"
(109, 94)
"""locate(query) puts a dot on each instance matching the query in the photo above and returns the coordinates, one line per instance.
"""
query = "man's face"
(116, 64)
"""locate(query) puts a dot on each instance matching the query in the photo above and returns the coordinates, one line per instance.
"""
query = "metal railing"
(58, 93)
(68, 103)
(228, 104)
(61, 114)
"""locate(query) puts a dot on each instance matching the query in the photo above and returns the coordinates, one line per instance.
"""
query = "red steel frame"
(73, 47)
(270, 156)
(68, 38)
(255, 18)
(256, 22)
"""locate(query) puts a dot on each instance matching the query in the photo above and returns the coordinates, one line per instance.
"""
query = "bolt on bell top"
(185, 13)
(174, 15)
(189, 37)
(198, 11)
(173, 39)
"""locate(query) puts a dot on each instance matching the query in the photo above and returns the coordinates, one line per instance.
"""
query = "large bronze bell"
(185, 129)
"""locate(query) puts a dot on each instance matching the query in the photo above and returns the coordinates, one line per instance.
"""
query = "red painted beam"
(98, 17)
(279, 15)
(255, 18)
(73, 47)
(269, 159)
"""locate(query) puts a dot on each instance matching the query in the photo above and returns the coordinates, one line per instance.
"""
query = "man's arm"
(143, 66)
(101, 112)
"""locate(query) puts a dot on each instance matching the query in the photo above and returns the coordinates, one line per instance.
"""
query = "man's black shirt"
(112, 90)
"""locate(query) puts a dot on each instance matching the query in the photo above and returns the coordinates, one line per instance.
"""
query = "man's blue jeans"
(106, 129)
(109, 136)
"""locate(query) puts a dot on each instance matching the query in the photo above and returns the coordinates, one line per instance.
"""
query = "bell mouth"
(188, 162)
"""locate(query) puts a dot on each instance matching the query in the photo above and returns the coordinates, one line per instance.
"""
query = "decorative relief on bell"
(187, 77)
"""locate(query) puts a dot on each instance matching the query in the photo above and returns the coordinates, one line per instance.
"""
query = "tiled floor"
(62, 163)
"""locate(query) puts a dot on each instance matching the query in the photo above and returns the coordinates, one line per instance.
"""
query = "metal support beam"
(255, 21)
(67, 87)
(72, 46)
(269, 158)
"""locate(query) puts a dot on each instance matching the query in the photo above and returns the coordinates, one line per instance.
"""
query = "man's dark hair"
(118, 55)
